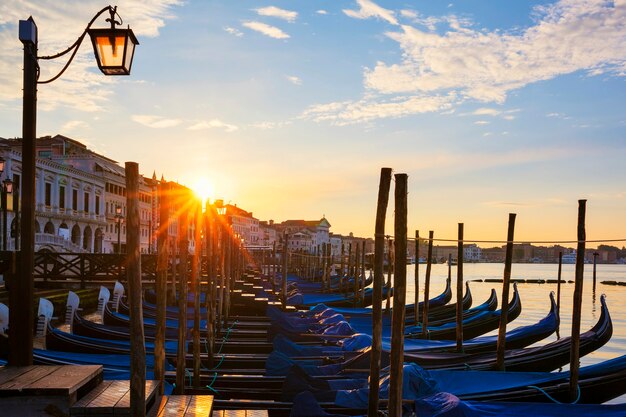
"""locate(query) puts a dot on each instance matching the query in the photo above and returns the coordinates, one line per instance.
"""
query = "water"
(535, 297)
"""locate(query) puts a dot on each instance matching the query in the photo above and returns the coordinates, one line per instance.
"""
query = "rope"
(552, 398)
(225, 338)
(210, 386)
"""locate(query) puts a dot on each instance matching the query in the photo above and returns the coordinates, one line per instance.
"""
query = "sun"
(203, 188)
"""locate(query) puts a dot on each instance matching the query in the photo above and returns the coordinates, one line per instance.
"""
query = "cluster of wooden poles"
(399, 299)
(226, 257)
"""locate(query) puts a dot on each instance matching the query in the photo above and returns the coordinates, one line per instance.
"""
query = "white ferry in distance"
(569, 258)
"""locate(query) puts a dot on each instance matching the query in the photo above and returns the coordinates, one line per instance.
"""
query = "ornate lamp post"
(114, 49)
(119, 217)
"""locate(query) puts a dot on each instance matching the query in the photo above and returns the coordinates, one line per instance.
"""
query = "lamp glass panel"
(110, 50)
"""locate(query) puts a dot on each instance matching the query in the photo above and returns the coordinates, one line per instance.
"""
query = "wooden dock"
(79, 391)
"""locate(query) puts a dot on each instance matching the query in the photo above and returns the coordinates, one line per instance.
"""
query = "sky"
(290, 108)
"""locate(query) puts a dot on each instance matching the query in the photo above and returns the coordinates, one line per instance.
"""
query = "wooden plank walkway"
(45, 390)
(240, 413)
(183, 406)
(111, 398)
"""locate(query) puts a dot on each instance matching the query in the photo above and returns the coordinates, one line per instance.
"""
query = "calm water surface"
(535, 297)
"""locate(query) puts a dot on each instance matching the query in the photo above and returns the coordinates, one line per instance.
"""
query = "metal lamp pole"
(110, 62)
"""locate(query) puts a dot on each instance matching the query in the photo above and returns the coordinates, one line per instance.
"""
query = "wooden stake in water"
(399, 298)
(195, 282)
(284, 269)
(429, 262)
(459, 292)
(357, 274)
(211, 239)
(558, 293)
(505, 294)
(183, 251)
(161, 285)
(578, 299)
(363, 273)
(377, 293)
(417, 276)
(133, 276)
(389, 272)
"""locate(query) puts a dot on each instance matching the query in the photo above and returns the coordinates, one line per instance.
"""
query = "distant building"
(318, 229)
(472, 253)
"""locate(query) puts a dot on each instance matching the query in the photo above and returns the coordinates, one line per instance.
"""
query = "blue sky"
(290, 108)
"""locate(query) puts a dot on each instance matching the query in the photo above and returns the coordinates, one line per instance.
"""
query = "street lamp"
(114, 57)
(119, 217)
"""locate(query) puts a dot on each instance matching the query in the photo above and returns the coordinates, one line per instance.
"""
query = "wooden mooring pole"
(363, 273)
(357, 277)
(183, 250)
(504, 316)
(195, 282)
(578, 299)
(558, 294)
(284, 269)
(429, 262)
(377, 294)
(417, 277)
(161, 284)
(210, 236)
(399, 298)
(389, 272)
(133, 276)
(459, 291)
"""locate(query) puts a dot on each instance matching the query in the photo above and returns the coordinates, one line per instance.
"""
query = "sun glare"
(203, 189)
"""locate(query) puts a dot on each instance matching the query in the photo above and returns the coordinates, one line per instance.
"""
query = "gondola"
(543, 358)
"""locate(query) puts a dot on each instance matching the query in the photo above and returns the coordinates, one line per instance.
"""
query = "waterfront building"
(318, 229)
(472, 253)
(69, 202)
(243, 224)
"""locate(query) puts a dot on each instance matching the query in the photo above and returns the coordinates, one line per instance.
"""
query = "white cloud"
(483, 111)
(481, 122)
(321, 11)
(213, 124)
(270, 125)
(411, 14)
(478, 64)
(347, 112)
(368, 9)
(155, 122)
(273, 11)
(233, 31)
(73, 125)
(82, 87)
(294, 80)
(267, 30)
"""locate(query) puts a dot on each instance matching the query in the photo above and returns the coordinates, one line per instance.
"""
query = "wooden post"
(389, 272)
(459, 292)
(357, 275)
(222, 256)
(183, 250)
(284, 269)
(377, 294)
(349, 267)
(417, 276)
(228, 269)
(195, 280)
(578, 299)
(505, 294)
(325, 287)
(399, 298)
(558, 284)
(342, 273)
(273, 267)
(363, 273)
(209, 233)
(161, 285)
(427, 285)
(133, 277)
